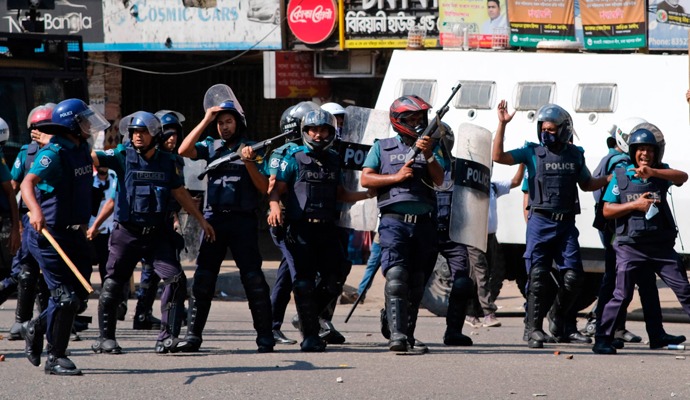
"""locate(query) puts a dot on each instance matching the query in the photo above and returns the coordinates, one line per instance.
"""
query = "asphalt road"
(498, 366)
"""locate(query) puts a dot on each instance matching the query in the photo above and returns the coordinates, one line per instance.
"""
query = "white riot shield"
(469, 212)
(360, 128)
(219, 93)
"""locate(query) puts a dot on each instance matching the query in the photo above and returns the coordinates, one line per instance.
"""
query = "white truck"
(598, 90)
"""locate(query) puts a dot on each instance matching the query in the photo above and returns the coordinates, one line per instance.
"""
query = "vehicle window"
(13, 110)
(426, 89)
(476, 95)
(533, 95)
(596, 97)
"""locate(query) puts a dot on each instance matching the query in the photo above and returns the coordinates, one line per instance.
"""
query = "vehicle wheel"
(437, 289)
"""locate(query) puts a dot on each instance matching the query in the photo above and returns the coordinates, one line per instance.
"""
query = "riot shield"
(360, 128)
(219, 93)
(469, 213)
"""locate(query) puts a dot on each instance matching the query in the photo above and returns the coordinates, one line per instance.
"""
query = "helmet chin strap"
(146, 149)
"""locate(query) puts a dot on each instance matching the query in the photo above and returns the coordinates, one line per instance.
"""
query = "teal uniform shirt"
(19, 167)
(277, 156)
(47, 164)
(373, 161)
(115, 159)
(612, 194)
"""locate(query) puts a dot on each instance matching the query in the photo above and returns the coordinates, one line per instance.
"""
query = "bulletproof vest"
(604, 168)
(230, 187)
(146, 194)
(634, 227)
(555, 182)
(393, 154)
(444, 199)
(316, 184)
(66, 204)
(31, 151)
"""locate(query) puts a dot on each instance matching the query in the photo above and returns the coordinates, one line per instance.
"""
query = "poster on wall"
(613, 25)
(532, 21)
(669, 21)
(371, 24)
(473, 23)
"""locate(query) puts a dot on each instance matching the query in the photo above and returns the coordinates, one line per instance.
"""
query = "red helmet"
(40, 114)
(404, 107)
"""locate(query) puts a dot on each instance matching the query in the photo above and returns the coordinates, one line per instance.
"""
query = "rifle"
(433, 125)
(237, 155)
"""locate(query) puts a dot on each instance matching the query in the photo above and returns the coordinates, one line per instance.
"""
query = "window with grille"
(533, 95)
(426, 89)
(596, 97)
(475, 95)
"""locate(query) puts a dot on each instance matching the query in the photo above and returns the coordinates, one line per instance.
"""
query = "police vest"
(146, 195)
(173, 205)
(393, 153)
(66, 204)
(31, 151)
(634, 227)
(444, 199)
(230, 187)
(316, 185)
(555, 183)
(604, 168)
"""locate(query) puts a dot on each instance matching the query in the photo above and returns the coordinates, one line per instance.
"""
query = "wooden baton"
(66, 259)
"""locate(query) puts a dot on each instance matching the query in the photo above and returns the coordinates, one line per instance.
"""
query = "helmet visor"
(91, 121)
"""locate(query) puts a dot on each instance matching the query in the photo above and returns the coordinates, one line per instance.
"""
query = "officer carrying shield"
(232, 197)
(407, 229)
(555, 168)
(147, 179)
(53, 191)
(645, 236)
(310, 177)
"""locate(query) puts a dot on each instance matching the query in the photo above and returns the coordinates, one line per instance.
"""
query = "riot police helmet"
(318, 118)
(233, 108)
(40, 114)
(403, 108)
(141, 120)
(333, 108)
(644, 136)
(73, 116)
(171, 123)
(622, 131)
(558, 116)
(444, 133)
(292, 118)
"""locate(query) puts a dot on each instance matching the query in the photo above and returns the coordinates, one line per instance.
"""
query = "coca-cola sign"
(312, 21)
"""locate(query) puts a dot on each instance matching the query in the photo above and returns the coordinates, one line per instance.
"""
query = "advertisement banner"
(375, 24)
(613, 25)
(669, 21)
(532, 21)
(473, 23)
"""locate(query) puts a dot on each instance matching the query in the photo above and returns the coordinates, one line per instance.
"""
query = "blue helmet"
(171, 121)
(643, 137)
(229, 105)
(141, 119)
(73, 116)
(319, 118)
(556, 114)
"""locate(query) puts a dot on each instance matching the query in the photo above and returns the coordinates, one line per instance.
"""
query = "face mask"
(547, 139)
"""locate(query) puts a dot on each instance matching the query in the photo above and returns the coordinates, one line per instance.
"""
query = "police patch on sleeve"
(274, 163)
(110, 152)
(45, 161)
(283, 165)
(17, 163)
(615, 190)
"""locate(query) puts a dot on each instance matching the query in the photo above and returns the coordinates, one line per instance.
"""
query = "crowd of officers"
(304, 182)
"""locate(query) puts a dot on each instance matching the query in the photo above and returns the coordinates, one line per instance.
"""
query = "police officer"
(310, 176)
(456, 254)
(645, 236)
(232, 196)
(407, 228)
(617, 157)
(171, 123)
(25, 269)
(53, 191)
(8, 207)
(555, 168)
(147, 179)
(280, 294)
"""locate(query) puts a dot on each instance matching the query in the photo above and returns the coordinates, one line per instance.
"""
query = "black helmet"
(640, 137)
(319, 118)
(171, 122)
(292, 117)
(556, 114)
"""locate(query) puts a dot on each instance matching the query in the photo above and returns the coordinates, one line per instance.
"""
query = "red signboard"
(312, 21)
(295, 76)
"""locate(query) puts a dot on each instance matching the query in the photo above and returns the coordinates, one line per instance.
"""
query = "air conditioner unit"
(345, 64)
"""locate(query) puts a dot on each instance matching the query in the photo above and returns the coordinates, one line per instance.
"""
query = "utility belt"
(553, 216)
(138, 229)
(409, 218)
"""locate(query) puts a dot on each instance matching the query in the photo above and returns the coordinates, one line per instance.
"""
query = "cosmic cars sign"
(312, 21)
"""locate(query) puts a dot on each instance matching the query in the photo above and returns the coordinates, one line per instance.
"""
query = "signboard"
(532, 21)
(379, 24)
(312, 21)
(669, 22)
(613, 25)
(290, 75)
(477, 20)
(160, 25)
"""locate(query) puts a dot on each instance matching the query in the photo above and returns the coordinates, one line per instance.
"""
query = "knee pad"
(397, 282)
(204, 286)
(538, 278)
(462, 287)
(303, 287)
(573, 280)
(66, 298)
(253, 278)
(111, 293)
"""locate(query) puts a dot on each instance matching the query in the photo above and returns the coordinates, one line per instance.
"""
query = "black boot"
(174, 311)
(26, 294)
(562, 316)
(196, 321)
(383, 319)
(63, 319)
(33, 332)
(329, 333)
(143, 315)
(397, 294)
(603, 345)
(457, 309)
(308, 317)
(259, 299)
(107, 322)
(536, 301)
